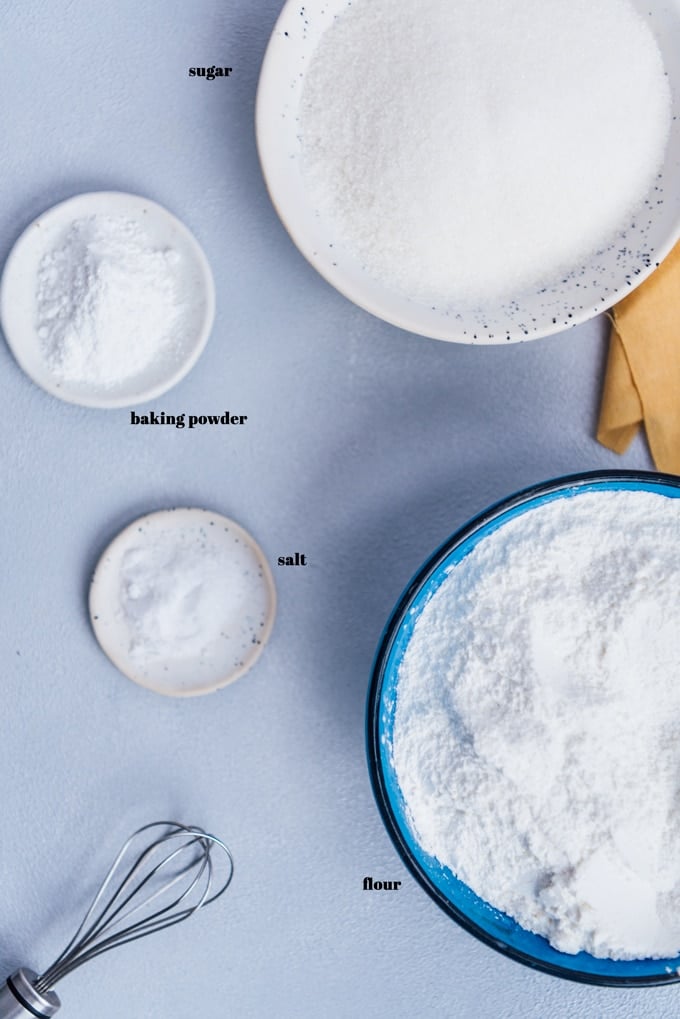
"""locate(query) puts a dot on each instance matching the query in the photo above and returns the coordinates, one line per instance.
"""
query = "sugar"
(537, 731)
(464, 151)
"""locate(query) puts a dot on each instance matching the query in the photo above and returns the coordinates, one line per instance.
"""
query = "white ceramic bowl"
(576, 296)
(18, 297)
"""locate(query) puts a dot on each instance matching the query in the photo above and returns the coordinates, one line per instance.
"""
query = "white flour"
(109, 304)
(464, 151)
(537, 730)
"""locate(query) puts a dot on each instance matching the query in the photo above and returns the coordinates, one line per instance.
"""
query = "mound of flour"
(537, 730)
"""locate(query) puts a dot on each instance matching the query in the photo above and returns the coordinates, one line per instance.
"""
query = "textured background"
(365, 447)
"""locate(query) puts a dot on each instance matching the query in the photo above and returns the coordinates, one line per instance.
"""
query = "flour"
(109, 303)
(537, 731)
(464, 152)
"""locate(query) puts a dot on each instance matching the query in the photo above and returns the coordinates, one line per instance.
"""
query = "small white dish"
(182, 641)
(18, 311)
(573, 297)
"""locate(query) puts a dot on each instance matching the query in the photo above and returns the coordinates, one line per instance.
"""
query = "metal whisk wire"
(189, 865)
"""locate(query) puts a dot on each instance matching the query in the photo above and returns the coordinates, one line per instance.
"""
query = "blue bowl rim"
(376, 774)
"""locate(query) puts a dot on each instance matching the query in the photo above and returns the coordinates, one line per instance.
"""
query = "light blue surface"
(489, 921)
(365, 448)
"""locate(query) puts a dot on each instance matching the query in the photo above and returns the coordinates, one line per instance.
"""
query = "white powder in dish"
(109, 303)
(181, 594)
(537, 730)
(467, 151)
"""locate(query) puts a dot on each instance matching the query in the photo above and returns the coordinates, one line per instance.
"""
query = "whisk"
(162, 874)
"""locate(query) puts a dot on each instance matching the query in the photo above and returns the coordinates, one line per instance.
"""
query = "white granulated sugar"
(537, 731)
(180, 594)
(109, 303)
(465, 151)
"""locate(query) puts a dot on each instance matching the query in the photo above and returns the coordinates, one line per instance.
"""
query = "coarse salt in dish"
(183, 601)
(475, 172)
(524, 725)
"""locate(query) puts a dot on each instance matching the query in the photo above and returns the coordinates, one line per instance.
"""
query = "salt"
(181, 595)
(463, 151)
(109, 304)
(536, 738)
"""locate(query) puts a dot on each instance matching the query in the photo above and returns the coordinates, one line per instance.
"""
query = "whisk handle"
(20, 1000)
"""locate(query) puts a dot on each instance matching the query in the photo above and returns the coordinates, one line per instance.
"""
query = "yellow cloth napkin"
(642, 382)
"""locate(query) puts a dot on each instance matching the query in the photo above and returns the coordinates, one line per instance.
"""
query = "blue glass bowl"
(478, 917)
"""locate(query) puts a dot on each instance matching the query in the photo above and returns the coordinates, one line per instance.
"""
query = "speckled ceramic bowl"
(457, 899)
(138, 631)
(575, 297)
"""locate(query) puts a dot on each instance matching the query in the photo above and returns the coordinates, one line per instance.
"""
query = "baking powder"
(537, 731)
(109, 303)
